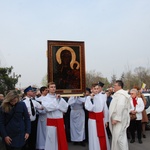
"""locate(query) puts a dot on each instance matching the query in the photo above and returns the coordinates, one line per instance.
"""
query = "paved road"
(134, 146)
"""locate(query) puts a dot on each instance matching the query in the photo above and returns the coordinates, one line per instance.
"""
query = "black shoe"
(82, 144)
(75, 143)
(144, 136)
(140, 141)
(128, 136)
(132, 141)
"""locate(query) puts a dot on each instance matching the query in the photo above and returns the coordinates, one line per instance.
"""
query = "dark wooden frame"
(76, 84)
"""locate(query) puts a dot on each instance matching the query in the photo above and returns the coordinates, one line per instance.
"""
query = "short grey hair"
(134, 91)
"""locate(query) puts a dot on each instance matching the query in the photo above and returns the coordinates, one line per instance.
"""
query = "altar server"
(77, 120)
(55, 107)
(41, 126)
(98, 120)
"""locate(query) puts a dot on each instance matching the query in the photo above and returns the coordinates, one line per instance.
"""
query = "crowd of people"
(43, 120)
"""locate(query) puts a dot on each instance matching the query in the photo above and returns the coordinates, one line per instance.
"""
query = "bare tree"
(129, 78)
(143, 75)
(93, 77)
(113, 79)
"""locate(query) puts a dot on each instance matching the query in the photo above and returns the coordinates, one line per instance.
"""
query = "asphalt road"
(134, 146)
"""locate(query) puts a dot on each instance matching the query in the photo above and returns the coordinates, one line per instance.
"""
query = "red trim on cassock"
(100, 128)
(61, 136)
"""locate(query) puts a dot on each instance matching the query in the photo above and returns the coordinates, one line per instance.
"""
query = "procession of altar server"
(50, 108)
(95, 104)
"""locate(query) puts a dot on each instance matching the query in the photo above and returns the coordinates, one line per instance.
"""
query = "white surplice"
(77, 119)
(55, 109)
(41, 127)
(98, 105)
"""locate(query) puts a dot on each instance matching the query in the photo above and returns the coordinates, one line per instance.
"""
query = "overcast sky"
(116, 34)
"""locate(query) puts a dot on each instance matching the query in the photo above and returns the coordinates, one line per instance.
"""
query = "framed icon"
(66, 66)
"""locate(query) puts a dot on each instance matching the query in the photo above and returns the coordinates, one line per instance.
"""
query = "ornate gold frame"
(69, 81)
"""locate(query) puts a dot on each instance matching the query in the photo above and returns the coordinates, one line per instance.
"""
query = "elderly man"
(119, 118)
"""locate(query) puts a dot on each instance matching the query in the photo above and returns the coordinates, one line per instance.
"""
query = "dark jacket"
(15, 124)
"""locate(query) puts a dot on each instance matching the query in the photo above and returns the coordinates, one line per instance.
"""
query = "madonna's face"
(66, 57)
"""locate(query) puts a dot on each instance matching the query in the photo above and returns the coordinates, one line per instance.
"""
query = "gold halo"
(70, 50)
(75, 62)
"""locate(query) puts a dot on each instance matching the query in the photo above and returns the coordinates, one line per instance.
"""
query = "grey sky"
(116, 34)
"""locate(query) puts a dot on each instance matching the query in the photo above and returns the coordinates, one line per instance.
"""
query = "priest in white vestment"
(119, 118)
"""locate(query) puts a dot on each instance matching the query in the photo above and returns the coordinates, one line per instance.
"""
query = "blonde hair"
(6, 106)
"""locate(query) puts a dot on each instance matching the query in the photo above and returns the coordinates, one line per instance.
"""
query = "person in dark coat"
(14, 122)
